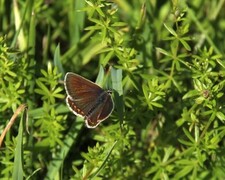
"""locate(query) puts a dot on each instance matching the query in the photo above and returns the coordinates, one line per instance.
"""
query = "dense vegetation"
(164, 61)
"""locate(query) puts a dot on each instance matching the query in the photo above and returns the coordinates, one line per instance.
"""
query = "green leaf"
(190, 94)
(18, 172)
(184, 171)
(170, 30)
(116, 76)
(57, 60)
(221, 116)
(185, 44)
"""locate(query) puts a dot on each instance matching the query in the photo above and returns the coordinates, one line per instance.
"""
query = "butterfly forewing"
(81, 91)
(78, 87)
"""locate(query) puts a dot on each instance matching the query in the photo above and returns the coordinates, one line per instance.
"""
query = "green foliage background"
(165, 61)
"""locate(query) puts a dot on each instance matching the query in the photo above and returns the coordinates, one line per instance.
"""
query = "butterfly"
(88, 100)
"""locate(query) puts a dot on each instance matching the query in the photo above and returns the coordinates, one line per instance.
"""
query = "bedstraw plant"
(164, 61)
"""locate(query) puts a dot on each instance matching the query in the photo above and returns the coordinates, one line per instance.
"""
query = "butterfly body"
(87, 99)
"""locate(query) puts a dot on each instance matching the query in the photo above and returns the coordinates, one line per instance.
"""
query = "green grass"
(164, 61)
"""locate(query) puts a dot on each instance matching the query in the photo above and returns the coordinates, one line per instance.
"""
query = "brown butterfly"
(86, 99)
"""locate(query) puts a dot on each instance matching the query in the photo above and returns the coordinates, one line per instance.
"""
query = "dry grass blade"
(11, 122)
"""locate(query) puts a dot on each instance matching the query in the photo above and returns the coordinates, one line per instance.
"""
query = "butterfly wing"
(106, 109)
(101, 111)
(81, 93)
